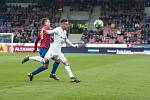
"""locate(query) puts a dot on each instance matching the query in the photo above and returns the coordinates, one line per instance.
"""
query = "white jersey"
(60, 38)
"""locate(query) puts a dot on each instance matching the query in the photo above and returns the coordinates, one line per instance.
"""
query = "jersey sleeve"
(69, 42)
(54, 31)
(36, 41)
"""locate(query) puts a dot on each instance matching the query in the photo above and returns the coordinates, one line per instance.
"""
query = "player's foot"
(30, 76)
(25, 59)
(73, 79)
(53, 76)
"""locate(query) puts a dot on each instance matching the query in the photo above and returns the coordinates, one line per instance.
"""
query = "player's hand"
(76, 45)
(34, 50)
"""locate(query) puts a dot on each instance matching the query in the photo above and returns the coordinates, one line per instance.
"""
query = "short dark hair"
(64, 20)
(43, 20)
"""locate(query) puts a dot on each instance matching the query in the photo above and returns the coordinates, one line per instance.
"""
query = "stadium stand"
(23, 21)
(124, 21)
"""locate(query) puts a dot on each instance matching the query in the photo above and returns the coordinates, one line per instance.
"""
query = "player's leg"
(55, 66)
(42, 52)
(53, 71)
(34, 58)
(38, 58)
(37, 71)
(67, 68)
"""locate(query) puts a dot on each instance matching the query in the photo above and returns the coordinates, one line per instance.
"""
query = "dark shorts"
(42, 52)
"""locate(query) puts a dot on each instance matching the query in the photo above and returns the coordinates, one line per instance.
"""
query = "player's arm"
(51, 31)
(36, 42)
(70, 43)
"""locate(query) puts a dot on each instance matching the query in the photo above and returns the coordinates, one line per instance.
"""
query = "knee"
(66, 63)
(46, 61)
(46, 66)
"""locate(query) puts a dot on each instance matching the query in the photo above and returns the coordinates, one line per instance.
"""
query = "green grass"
(104, 77)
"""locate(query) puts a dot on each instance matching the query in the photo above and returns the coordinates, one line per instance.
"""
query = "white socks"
(68, 70)
(37, 58)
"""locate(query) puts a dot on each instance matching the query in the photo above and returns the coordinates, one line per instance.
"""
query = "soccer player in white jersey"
(54, 52)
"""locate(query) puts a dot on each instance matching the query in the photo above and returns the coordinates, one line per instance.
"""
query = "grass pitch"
(104, 77)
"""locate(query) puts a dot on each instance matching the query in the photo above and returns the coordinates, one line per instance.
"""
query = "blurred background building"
(125, 21)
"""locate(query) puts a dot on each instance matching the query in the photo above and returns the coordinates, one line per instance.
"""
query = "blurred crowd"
(123, 23)
(123, 20)
(109, 35)
(24, 21)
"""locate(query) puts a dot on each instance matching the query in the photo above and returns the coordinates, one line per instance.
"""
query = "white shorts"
(55, 55)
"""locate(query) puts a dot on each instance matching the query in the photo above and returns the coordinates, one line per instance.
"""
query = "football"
(98, 24)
